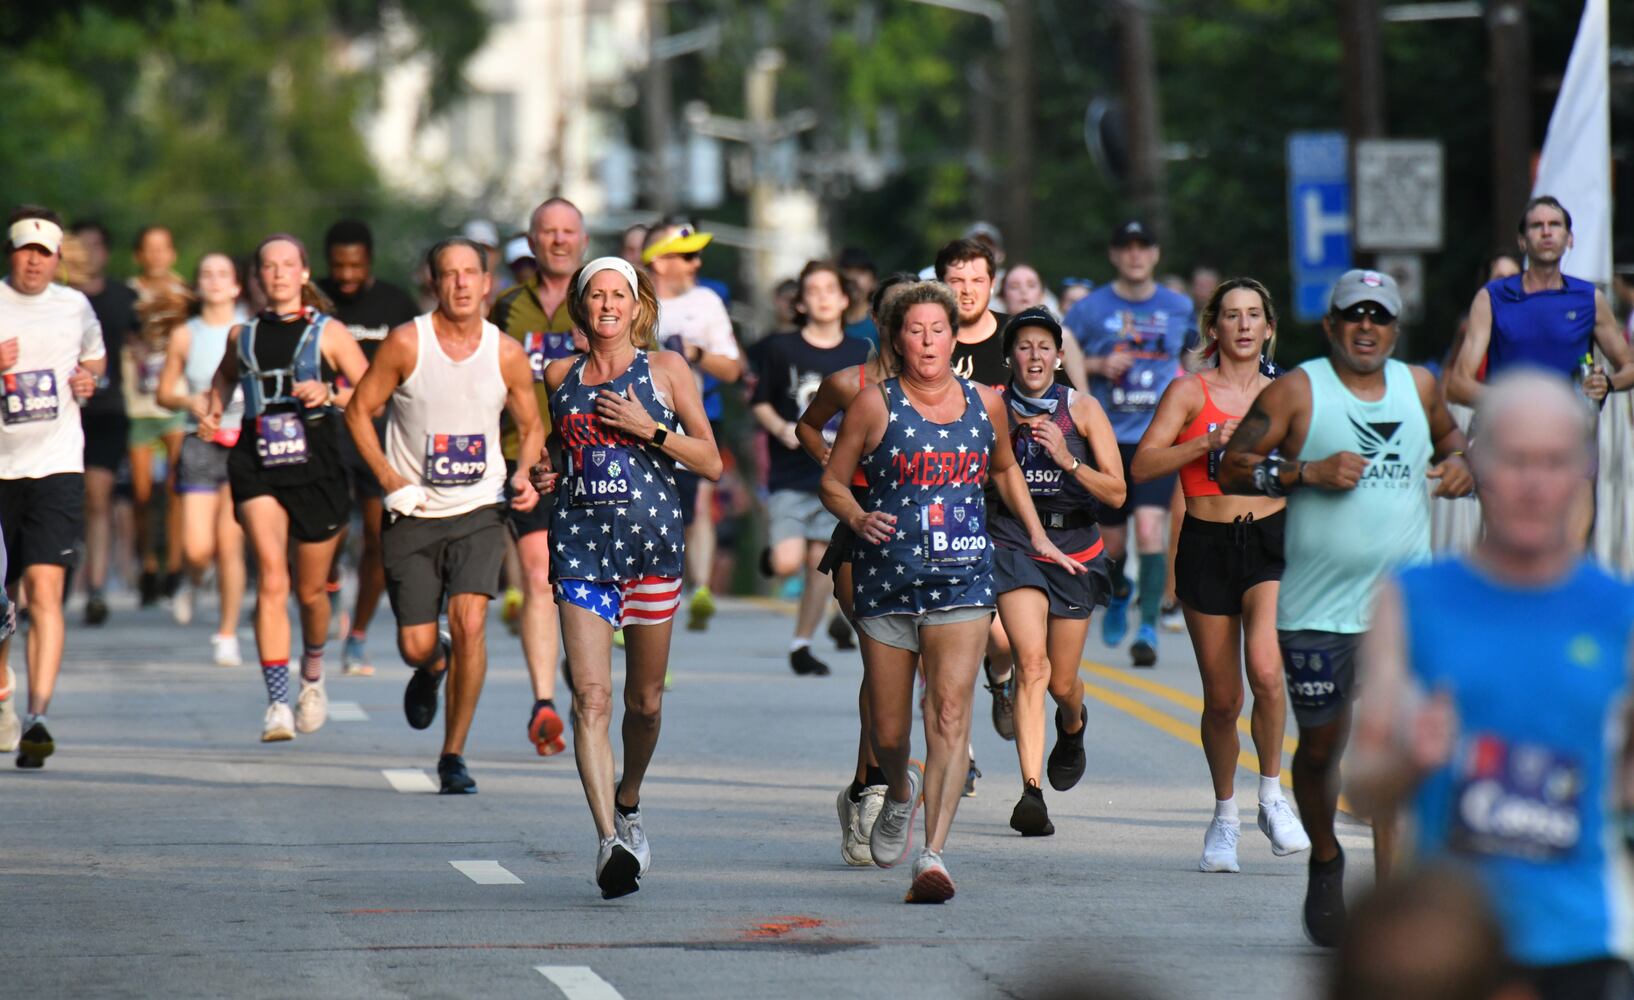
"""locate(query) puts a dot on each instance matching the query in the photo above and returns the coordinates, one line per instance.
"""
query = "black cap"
(1132, 231)
(1036, 316)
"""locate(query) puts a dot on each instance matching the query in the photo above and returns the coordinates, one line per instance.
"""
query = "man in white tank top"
(444, 380)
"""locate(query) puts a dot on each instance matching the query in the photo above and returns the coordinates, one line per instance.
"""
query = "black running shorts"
(42, 521)
(1217, 562)
(1070, 595)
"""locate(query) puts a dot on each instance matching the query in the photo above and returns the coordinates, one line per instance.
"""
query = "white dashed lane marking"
(485, 872)
(347, 711)
(409, 779)
(579, 982)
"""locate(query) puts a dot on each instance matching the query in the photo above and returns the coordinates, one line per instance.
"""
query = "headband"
(600, 264)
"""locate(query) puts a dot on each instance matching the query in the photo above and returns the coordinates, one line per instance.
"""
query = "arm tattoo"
(1250, 432)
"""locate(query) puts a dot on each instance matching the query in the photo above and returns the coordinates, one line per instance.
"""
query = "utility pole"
(1509, 70)
(983, 98)
(1018, 215)
(655, 109)
(1141, 106)
(819, 65)
(1362, 68)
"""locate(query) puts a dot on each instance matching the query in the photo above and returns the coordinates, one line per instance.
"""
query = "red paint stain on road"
(779, 927)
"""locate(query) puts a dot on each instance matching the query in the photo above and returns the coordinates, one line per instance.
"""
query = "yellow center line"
(1169, 724)
(1184, 699)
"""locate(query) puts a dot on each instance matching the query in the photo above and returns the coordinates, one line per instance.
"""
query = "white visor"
(41, 233)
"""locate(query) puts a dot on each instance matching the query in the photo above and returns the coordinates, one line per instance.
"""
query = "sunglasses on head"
(1367, 310)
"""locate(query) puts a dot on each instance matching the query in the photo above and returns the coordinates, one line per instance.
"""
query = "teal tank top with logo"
(1338, 544)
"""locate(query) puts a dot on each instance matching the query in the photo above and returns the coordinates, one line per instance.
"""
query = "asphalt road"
(164, 851)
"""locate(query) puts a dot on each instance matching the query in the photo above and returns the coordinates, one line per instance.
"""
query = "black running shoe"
(420, 697)
(1325, 901)
(149, 588)
(456, 780)
(1031, 818)
(803, 663)
(617, 870)
(35, 746)
(840, 631)
(96, 610)
(970, 779)
(1004, 705)
(1066, 764)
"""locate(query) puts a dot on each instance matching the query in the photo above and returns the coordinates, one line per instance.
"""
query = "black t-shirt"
(983, 362)
(788, 371)
(115, 308)
(372, 313)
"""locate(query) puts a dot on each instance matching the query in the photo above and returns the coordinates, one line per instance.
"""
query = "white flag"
(1576, 162)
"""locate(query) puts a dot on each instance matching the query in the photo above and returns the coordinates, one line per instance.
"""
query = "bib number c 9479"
(455, 459)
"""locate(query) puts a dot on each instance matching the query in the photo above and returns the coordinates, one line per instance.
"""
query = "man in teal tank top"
(1356, 432)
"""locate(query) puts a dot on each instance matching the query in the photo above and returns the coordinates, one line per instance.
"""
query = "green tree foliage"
(223, 120)
(1235, 78)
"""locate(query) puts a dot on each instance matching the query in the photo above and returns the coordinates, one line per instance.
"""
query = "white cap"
(42, 233)
(481, 231)
(517, 249)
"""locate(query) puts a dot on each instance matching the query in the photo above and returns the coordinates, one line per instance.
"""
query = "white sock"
(797, 644)
(1226, 809)
(1270, 790)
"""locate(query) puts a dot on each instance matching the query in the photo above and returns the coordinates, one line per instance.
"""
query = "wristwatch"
(658, 436)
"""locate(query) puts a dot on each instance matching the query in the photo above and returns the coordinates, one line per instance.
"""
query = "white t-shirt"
(40, 432)
(698, 318)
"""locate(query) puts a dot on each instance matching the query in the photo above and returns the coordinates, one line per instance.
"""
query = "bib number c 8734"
(280, 440)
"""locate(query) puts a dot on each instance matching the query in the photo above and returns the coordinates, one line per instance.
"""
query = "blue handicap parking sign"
(1318, 218)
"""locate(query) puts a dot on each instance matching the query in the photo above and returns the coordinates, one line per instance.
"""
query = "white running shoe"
(312, 707)
(224, 649)
(1287, 833)
(931, 881)
(181, 606)
(1220, 846)
(278, 724)
(617, 870)
(11, 727)
(892, 832)
(633, 837)
(854, 848)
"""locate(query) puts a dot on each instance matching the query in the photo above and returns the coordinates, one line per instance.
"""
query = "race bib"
(1312, 683)
(455, 459)
(602, 476)
(148, 371)
(831, 430)
(30, 396)
(543, 348)
(280, 439)
(1515, 800)
(953, 533)
(1138, 390)
(1044, 477)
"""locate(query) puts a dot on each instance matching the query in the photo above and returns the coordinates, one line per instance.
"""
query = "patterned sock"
(1154, 569)
(312, 662)
(276, 674)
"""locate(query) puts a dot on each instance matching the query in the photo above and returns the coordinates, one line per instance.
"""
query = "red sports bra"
(1196, 476)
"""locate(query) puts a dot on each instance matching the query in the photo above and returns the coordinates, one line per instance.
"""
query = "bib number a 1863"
(29, 396)
(602, 476)
(1515, 800)
(280, 439)
(953, 533)
(455, 459)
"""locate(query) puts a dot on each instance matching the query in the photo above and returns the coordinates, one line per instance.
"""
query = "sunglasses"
(1367, 310)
